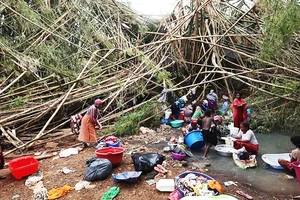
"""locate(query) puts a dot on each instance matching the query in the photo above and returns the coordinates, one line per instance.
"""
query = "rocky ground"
(147, 141)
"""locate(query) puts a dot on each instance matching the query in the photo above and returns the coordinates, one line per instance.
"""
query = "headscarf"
(218, 118)
(98, 102)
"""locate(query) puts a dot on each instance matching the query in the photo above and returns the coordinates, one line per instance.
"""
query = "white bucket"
(165, 185)
(234, 131)
(167, 114)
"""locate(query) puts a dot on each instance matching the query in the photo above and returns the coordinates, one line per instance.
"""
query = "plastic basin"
(182, 175)
(194, 140)
(113, 154)
(296, 166)
(176, 123)
(23, 166)
(177, 156)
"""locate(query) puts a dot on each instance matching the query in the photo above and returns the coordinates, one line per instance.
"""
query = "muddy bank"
(147, 142)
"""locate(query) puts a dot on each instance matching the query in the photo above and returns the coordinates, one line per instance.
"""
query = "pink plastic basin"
(113, 154)
(178, 156)
(296, 166)
(23, 166)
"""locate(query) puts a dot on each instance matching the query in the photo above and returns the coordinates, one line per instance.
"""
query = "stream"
(263, 176)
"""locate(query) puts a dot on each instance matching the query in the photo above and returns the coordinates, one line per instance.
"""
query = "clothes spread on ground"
(59, 192)
(111, 193)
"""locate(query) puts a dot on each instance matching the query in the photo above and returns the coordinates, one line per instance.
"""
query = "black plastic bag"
(146, 162)
(98, 169)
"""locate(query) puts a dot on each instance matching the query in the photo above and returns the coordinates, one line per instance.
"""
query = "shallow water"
(263, 176)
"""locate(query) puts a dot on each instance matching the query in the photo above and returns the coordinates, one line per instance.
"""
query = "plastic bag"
(146, 162)
(98, 169)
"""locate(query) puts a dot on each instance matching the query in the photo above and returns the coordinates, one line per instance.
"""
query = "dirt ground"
(145, 143)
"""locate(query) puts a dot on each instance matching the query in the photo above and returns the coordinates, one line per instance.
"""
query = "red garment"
(249, 146)
(239, 112)
(87, 130)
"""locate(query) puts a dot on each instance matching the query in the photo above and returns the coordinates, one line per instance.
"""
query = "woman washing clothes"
(88, 132)
(212, 99)
(246, 138)
(294, 156)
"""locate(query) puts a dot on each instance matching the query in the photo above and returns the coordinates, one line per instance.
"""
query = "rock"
(51, 145)
(184, 163)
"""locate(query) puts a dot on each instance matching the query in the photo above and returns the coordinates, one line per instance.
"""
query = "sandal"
(159, 170)
(240, 192)
(162, 168)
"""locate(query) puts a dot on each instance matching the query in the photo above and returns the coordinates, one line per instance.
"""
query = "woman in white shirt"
(246, 138)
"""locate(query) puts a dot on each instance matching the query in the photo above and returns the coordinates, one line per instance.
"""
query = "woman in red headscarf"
(88, 132)
(239, 110)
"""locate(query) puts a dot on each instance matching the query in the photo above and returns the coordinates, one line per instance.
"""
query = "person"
(225, 103)
(212, 99)
(246, 138)
(204, 105)
(216, 127)
(193, 125)
(1, 161)
(188, 112)
(197, 114)
(294, 156)
(239, 110)
(210, 138)
(88, 132)
(177, 106)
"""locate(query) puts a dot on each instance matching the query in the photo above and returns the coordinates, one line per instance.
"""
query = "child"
(295, 156)
(209, 137)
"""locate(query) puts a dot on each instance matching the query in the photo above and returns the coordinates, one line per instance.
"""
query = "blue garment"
(248, 115)
(204, 107)
(224, 106)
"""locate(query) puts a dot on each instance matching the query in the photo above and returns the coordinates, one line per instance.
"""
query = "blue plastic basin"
(194, 140)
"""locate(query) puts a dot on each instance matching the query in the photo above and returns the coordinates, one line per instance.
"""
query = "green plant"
(129, 124)
(281, 22)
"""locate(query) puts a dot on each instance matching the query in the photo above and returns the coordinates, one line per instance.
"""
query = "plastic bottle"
(165, 185)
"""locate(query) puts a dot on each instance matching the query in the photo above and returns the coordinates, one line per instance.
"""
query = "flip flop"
(240, 192)
(159, 170)
(162, 168)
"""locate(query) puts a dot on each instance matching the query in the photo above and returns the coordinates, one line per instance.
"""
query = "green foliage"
(19, 102)
(293, 85)
(129, 124)
(268, 116)
(281, 21)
